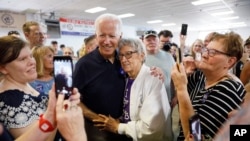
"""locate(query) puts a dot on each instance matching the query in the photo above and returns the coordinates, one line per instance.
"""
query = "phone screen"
(184, 29)
(63, 69)
(195, 127)
(198, 56)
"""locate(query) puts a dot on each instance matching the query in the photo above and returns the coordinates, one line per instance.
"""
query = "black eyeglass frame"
(213, 53)
(127, 55)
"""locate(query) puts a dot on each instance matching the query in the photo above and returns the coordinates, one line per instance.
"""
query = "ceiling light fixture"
(229, 18)
(222, 13)
(200, 2)
(238, 24)
(126, 15)
(155, 21)
(95, 10)
(169, 24)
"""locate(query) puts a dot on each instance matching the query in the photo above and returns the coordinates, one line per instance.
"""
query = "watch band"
(45, 125)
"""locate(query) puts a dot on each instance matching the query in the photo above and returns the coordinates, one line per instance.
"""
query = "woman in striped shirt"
(210, 91)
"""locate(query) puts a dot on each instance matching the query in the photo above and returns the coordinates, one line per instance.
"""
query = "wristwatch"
(45, 125)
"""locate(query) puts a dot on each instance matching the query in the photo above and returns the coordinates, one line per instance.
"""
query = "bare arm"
(88, 113)
(185, 106)
(34, 132)
(72, 130)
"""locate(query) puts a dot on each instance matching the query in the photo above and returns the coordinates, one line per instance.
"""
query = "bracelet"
(45, 125)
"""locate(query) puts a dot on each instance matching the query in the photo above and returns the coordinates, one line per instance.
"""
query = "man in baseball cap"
(150, 33)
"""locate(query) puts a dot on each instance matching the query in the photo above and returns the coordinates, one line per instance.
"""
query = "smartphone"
(63, 70)
(178, 57)
(195, 127)
(184, 29)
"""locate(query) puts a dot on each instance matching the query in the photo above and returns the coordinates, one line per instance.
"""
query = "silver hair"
(136, 44)
(109, 17)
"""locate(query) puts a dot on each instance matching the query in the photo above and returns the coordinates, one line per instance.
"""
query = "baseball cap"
(247, 42)
(149, 33)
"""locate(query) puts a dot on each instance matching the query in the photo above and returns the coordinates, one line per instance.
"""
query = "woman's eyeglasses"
(127, 54)
(212, 52)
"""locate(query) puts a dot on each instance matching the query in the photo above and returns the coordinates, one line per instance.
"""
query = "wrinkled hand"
(179, 77)
(156, 71)
(107, 123)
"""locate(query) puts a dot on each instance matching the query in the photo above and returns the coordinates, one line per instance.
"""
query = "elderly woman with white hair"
(145, 106)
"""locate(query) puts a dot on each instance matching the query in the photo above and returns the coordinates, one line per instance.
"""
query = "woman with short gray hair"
(145, 104)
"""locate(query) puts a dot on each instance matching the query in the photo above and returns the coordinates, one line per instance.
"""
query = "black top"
(100, 83)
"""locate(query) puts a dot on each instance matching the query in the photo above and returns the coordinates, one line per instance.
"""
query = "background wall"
(76, 41)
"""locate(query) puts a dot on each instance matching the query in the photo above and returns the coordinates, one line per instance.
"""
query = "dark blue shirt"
(101, 83)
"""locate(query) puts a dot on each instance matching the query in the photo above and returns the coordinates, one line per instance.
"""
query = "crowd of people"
(125, 89)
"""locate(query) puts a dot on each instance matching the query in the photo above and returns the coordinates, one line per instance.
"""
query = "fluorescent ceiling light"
(126, 15)
(230, 18)
(169, 24)
(95, 10)
(238, 24)
(200, 2)
(222, 13)
(156, 21)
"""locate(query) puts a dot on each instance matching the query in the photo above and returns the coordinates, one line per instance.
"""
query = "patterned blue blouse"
(42, 86)
(18, 109)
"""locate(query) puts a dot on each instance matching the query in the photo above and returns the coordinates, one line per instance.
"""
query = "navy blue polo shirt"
(100, 83)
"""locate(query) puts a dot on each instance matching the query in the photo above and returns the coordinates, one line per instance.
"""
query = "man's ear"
(26, 34)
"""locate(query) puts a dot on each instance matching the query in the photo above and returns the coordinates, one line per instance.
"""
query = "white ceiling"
(169, 11)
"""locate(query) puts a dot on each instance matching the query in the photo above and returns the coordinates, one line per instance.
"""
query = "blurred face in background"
(67, 52)
(48, 60)
(164, 40)
(36, 36)
(91, 45)
(247, 49)
(173, 50)
(152, 44)
(197, 46)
